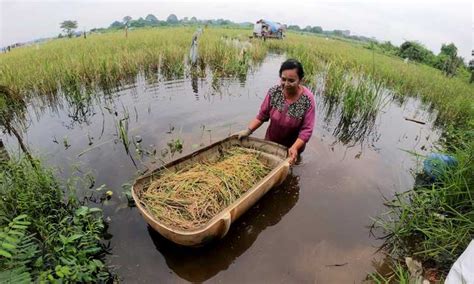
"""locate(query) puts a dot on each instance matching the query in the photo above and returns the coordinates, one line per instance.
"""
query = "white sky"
(430, 22)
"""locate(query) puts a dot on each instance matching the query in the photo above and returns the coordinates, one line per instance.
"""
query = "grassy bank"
(45, 234)
(434, 222)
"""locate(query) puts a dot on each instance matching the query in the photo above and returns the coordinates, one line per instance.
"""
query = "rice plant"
(107, 60)
(190, 197)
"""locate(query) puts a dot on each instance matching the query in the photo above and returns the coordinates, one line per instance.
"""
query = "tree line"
(152, 21)
(447, 60)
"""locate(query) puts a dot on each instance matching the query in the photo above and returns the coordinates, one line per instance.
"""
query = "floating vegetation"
(66, 142)
(175, 145)
(123, 133)
(189, 198)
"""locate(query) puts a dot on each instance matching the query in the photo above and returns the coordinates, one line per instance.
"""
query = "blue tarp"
(273, 26)
(436, 164)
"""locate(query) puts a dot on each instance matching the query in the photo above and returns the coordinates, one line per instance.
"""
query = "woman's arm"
(255, 124)
(295, 149)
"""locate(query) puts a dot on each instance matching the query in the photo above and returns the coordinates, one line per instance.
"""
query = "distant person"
(290, 108)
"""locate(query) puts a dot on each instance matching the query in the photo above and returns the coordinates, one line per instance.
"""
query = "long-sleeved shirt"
(288, 121)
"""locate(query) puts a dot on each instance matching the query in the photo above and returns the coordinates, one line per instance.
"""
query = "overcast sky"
(430, 22)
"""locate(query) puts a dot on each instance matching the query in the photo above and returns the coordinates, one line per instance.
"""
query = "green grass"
(107, 60)
(46, 235)
(451, 97)
(398, 275)
(435, 222)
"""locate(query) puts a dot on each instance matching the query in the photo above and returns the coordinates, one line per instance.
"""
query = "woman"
(291, 110)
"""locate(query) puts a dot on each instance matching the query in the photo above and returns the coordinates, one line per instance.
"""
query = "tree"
(68, 27)
(448, 60)
(416, 51)
(172, 19)
(117, 25)
(390, 48)
(126, 20)
(294, 27)
(152, 19)
(449, 49)
(138, 23)
(193, 20)
(317, 30)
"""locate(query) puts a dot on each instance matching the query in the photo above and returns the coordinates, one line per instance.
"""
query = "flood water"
(311, 229)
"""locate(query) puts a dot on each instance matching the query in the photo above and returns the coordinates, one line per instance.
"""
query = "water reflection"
(80, 107)
(200, 264)
(194, 84)
(13, 116)
(354, 102)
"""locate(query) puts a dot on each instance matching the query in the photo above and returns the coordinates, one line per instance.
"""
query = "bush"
(44, 235)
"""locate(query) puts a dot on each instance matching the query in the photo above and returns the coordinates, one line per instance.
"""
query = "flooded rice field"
(312, 228)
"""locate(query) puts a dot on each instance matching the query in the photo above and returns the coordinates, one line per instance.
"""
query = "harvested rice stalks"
(189, 198)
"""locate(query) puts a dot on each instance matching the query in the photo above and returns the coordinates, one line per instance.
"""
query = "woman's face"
(289, 80)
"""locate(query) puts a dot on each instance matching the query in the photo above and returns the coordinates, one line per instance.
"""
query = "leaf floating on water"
(100, 187)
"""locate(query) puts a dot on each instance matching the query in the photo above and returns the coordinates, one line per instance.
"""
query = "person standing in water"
(290, 107)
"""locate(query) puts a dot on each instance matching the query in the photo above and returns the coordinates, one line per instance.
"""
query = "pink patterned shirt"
(288, 121)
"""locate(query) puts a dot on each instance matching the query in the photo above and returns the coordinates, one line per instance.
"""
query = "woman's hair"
(293, 64)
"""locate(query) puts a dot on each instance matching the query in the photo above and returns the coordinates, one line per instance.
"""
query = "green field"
(352, 74)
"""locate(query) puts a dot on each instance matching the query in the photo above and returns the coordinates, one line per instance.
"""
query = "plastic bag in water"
(436, 164)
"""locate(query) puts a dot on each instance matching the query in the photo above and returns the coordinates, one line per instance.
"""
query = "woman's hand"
(294, 150)
(243, 134)
(293, 154)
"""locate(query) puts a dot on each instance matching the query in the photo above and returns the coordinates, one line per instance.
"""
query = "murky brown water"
(313, 228)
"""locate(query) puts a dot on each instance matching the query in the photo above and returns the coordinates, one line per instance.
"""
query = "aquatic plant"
(175, 145)
(46, 234)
